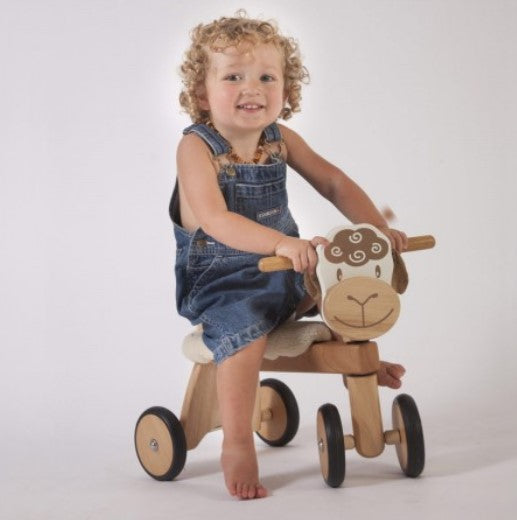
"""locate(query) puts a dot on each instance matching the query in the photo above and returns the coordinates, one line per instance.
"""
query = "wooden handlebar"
(281, 263)
(419, 243)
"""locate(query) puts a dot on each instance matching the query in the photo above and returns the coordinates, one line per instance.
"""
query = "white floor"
(471, 472)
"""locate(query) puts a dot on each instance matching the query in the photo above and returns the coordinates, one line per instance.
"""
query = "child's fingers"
(317, 240)
(313, 259)
(398, 239)
(394, 241)
(401, 240)
(303, 261)
(404, 240)
(296, 263)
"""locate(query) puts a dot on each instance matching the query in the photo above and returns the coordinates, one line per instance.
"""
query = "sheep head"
(356, 274)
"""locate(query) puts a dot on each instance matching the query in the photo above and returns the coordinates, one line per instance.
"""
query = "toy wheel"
(331, 446)
(160, 443)
(277, 398)
(410, 450)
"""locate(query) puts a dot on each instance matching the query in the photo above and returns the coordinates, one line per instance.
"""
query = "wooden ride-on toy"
(354, 290)
(357, 280)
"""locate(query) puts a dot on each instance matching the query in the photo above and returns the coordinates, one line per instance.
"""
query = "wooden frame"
(357, 362)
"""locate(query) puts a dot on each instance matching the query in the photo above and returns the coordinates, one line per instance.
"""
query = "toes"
(386, 379)
(252, 492)
(232, 489)
(391, 382)
(244, 491)
(261, 491)
(390, 375)
(396, 371)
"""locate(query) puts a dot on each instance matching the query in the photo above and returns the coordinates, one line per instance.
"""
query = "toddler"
(229, 208)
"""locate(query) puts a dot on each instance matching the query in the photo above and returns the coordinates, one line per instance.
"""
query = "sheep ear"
(400, 278)
(312, 285)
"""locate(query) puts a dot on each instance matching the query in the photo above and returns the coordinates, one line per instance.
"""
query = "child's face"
(244, 88)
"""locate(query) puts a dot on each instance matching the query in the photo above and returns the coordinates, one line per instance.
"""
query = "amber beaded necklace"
(239, 160)
(236, 159)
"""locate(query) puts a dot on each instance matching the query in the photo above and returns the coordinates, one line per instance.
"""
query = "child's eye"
(233, 77)
(267, 78)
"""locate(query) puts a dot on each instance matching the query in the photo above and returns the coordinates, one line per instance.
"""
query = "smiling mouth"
(250, 106)
(364, 326)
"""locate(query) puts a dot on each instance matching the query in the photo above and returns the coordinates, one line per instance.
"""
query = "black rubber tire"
(331, 445)
(164, 465)
(292, 414)
(412, 436)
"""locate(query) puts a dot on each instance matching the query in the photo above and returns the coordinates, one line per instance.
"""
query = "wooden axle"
(391, 437)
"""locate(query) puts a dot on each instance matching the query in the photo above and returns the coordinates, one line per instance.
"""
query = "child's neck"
(245, 145)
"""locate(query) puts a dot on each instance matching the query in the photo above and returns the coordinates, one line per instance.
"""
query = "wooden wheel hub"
(322, 447)
(275, 412)
(154, 445)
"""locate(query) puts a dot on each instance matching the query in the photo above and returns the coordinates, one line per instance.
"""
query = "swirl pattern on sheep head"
(356, 247)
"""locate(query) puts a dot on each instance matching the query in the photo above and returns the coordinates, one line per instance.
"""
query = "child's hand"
(397, 238)
(301, 252)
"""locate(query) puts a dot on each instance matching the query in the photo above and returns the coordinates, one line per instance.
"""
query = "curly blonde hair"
(228, 32)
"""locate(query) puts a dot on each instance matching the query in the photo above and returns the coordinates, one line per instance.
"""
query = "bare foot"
(389, 374)
(240, 468)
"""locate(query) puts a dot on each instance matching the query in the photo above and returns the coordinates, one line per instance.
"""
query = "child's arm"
(197, 179)
(337, 187)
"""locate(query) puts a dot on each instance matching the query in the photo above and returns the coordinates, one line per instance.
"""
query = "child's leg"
(237, 380)
(389, 374)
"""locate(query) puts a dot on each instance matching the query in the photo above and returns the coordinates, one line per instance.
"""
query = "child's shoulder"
(193, 153)
(289, 135)
(285, 131)
(192, 143)
(293, 141)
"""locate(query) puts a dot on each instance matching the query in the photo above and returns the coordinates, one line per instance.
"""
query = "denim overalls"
(222, 287)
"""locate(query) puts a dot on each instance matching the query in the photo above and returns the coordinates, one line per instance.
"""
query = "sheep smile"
(363, 326)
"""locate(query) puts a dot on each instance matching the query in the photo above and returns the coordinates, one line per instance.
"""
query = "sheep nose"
(350, 297)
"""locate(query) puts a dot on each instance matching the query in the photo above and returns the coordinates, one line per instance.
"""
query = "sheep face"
(355, 273)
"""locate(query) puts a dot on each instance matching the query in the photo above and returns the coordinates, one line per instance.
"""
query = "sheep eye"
(377, 271)
(339, 274)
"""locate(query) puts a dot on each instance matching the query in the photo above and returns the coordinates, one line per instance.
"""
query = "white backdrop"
(415, 100)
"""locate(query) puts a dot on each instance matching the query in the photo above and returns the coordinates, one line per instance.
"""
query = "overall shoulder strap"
(274, 140)
(272, 133)
(215, 141)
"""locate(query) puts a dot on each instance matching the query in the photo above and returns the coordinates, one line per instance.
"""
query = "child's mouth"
(250, 107)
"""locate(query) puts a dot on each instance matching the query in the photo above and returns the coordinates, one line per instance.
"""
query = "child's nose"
(252, 87)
